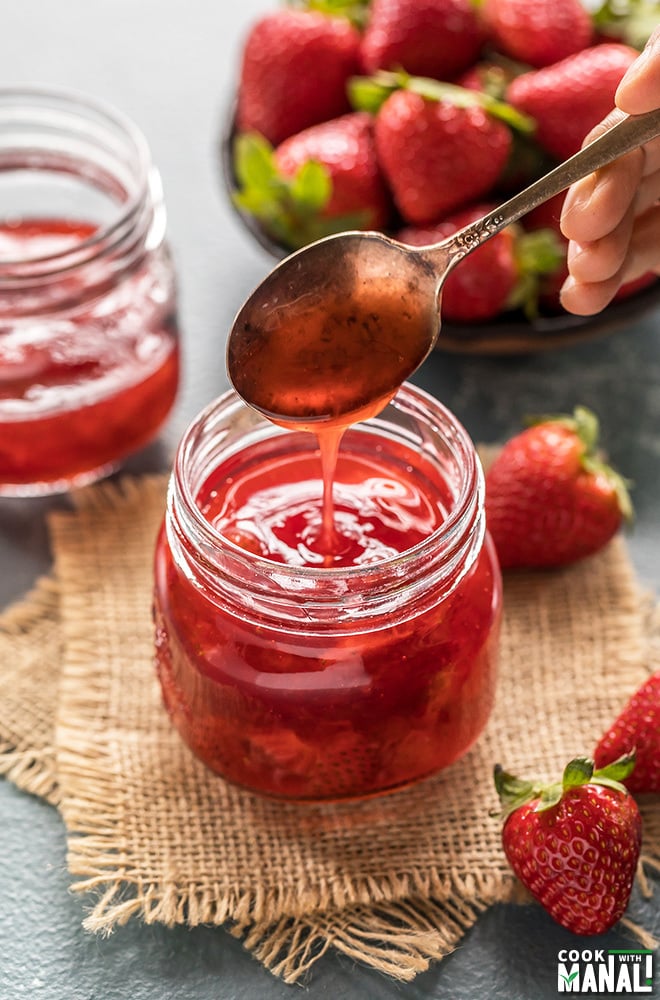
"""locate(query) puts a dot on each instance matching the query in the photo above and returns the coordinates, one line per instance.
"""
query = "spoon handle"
(628, 134)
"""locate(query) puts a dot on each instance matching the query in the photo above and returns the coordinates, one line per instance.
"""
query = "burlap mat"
(393, 882)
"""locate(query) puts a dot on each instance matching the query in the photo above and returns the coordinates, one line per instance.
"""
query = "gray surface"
(170, 65)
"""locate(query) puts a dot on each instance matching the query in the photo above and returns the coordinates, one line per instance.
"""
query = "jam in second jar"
(314, 670)
(89, 363)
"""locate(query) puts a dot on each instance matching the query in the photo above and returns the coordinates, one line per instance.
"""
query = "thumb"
(639, 89)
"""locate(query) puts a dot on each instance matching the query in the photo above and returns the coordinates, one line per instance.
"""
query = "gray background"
(170, 66)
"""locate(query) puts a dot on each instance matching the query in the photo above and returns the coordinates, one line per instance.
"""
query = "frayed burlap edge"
(27, 762)
(399, 939)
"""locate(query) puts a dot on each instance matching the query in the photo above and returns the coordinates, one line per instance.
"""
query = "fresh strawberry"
(436, 38)
(538, 32)
(574, 844)
(323, 180)
(440, 146)
(568, 98)
(550, 498)
(294, 71)
(501, 274)
(637, 729)
(346, 147)
(437, 156)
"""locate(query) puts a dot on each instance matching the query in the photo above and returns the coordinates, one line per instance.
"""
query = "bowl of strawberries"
(417, 117)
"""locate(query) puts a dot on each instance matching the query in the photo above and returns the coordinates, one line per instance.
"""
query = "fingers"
(589, 294)
(612, 217)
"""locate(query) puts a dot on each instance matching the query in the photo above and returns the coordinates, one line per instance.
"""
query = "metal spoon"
(335, 328)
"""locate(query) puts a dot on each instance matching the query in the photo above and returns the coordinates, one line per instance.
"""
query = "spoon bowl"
(335, 328)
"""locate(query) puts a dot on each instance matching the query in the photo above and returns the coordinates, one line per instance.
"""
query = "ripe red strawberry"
(436, 38)
(550, 499)
(568, 98)
(346, 147)
(538, 32)
(437, 156)
(636, 728)
(501, 274)
(294, 72)
(323, 180)
(574, 844)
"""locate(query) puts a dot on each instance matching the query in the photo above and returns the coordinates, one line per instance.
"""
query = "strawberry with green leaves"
(538, 32)
(550, 497)
(294, 71)
(436, 38)
(574, 844)
(440, 146)
(636, 728)
(503, 273)
(323, 180)
(570, 97)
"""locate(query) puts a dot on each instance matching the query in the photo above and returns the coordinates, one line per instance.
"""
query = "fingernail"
(640, 64)
(574, 250)
(578, 196)
(567, 287)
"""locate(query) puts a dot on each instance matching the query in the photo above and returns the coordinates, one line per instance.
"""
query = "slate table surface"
(171, 67)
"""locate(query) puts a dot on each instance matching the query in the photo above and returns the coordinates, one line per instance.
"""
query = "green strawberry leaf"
(370, 93)
(549, 796)
(619, 769)
(587, 427)
(253, 160)
(633, 21)
(512, 792)
(536, 254)
(577, 772)
(311, 187)
(355, 11)
(290, 209)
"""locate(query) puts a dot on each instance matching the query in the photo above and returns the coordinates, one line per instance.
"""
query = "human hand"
(612, 217)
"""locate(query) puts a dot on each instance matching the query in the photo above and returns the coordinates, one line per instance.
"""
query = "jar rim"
(445, 537)
(106, 237)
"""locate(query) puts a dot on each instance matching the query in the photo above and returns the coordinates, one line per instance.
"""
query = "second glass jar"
(89, 360)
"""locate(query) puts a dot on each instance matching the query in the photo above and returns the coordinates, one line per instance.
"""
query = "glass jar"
(89, 362)
(316, 682)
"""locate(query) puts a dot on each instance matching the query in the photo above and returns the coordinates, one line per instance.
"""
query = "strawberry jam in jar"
(89, 363)
(311, 667)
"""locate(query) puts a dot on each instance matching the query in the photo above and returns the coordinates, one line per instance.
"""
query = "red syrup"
(367, 660)
(89, 363)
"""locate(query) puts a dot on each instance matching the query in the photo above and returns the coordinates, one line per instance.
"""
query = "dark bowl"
(510, 333)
